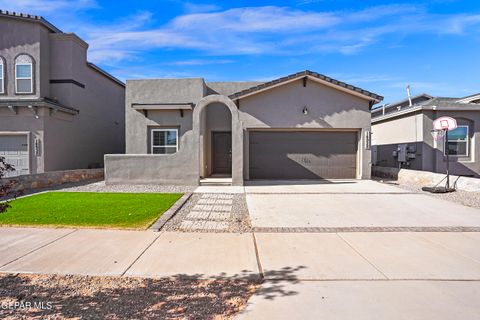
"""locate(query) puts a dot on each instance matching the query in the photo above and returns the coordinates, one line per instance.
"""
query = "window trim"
(445, 147)
(2, 76)
(24, 78)
(163, 146)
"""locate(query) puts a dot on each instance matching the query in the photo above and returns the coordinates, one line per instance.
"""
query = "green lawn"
(88, 209)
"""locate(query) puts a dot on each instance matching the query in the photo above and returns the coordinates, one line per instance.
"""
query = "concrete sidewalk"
(365, 300)
(299, 256)
(361, 275)
(132, 253)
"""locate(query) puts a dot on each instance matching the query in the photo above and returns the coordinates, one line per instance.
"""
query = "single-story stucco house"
(302, 126)
(402, 138)
(57, 110)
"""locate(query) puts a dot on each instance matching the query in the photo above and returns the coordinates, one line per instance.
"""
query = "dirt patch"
(86, 297)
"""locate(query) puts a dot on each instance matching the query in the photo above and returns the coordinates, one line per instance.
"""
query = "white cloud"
(196, 8)
(255, 19)
(278, 30)
(267, 30)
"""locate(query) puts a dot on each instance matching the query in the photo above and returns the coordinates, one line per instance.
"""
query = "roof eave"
(39, 103)
(339, 85)
(422, 108)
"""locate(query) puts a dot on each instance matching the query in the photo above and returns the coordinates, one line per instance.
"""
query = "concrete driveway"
(349, 204)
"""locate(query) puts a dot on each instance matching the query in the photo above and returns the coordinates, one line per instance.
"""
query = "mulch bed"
(86, 297)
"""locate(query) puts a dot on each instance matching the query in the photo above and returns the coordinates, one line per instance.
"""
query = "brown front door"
(222, 152)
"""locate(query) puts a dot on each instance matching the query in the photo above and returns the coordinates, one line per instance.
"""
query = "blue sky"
(380, 46)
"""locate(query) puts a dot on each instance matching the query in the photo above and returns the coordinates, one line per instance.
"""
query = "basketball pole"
(447, 152)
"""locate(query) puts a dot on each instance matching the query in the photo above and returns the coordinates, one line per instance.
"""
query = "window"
(164, 141)
(457, 144)
(23, 74)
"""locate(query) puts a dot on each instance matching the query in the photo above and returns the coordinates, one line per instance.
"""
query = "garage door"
(302, 155)
(15, 150)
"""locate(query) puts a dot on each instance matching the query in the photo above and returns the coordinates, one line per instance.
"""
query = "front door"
(221, 153)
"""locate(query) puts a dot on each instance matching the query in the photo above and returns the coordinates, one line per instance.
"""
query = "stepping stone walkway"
(211, 212)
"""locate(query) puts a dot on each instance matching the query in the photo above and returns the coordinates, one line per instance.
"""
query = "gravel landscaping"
(238, 222)
(102, 187)
(75, 297)
(470, 199)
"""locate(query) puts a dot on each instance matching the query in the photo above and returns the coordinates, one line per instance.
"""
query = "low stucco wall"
(424, 178)
(31, 182)
(165, 169)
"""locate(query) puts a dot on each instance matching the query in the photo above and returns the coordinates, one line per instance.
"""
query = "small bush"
(5, 186)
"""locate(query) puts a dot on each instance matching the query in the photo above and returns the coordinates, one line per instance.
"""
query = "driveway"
(349, 204)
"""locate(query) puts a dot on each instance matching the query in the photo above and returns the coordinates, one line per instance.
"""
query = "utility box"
(402, 153)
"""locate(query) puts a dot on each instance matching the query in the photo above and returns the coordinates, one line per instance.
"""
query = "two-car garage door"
(302, 154)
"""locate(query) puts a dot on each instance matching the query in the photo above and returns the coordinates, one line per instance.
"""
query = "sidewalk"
(130, 253)
(378, 275)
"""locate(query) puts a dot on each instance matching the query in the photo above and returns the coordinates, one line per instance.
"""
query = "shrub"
(5, 186)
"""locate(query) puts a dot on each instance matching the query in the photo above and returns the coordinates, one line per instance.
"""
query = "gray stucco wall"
(389, 133)
(157, 92)
(328, 108)
(20, 37)
(218, 118)
(468, 166)
(67, 142)
(99, 127)
(277, 108)
(139, 167)
(24, 121)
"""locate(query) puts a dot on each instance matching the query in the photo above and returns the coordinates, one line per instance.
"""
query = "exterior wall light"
(305, 110)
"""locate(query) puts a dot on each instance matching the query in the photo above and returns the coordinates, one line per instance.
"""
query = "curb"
(158, 225)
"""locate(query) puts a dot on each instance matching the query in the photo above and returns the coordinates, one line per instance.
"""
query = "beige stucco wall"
(406, 129)
(386, 135)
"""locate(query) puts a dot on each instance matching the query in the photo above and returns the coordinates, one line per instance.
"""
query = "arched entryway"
(219, 136)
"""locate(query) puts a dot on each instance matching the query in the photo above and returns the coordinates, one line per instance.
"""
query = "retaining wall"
(30, 182)
(424, 178)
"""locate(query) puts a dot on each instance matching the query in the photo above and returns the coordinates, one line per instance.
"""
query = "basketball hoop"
(441, 127)
(445, 123)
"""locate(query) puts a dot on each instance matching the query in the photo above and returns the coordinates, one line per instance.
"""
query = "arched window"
(24, 74)
(2, 76)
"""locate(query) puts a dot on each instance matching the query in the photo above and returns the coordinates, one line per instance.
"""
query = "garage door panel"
(14, 148)
(302, 155)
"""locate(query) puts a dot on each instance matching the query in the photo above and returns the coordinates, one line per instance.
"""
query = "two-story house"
(57, 110)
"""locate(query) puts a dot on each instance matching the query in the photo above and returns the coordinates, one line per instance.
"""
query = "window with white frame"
(164, 141)
(458, 142)
(2, 76)
(23, 74)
